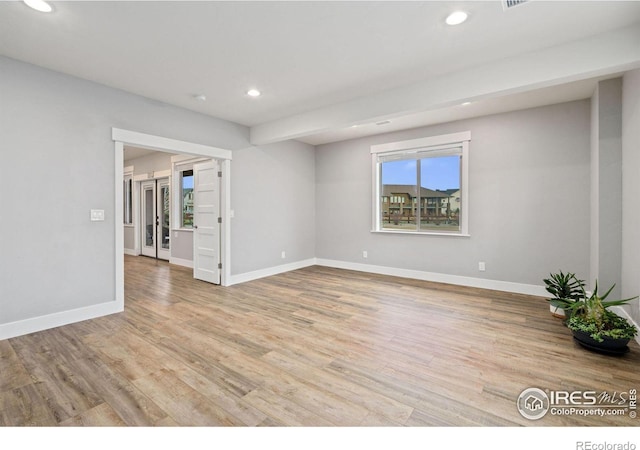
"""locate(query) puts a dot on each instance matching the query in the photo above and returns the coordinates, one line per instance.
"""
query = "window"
(127, 196)
(182, 190)
(420, 186)
(186, 198)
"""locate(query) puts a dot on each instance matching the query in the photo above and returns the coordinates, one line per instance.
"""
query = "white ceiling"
(324, 66)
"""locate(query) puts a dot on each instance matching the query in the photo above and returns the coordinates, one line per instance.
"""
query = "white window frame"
(180, 163)
(416, 149)
(127, 199)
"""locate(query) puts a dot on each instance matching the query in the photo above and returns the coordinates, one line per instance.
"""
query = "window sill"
(182, 229)
(128, 225)
(421, 233)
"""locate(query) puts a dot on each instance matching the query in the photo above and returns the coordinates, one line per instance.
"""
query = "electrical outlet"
(481, 266)
(283, 255)
(365, 254)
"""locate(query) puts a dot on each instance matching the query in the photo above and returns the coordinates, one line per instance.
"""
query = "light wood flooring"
(312, 347)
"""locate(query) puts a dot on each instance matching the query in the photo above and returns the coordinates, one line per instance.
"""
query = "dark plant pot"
(609, 346)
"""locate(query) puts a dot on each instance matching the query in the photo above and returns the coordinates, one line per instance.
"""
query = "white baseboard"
(249, 276)
(496, 285)
(619, 310)
(181, 262)
(26, 326)
(172, 260)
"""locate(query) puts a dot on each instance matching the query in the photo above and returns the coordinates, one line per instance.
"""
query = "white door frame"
(126, 137)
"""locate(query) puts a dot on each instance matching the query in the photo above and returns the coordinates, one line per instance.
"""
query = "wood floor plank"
(284, 411)
(184, 404)
(66, 393)
(129, 354)
(13, 372)
(132, 406)
(222, 397)
(99, 416)
(377, 405)
(313, 347)
(25, 406)
(327, 404)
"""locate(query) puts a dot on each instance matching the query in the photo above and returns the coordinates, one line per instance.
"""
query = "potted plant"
(566, 290)
(597, 328)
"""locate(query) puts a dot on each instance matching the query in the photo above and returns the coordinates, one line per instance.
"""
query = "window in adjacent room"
(127, 200)
(420, 185)
(186, 198)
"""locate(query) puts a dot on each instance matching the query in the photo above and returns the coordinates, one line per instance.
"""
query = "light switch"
(97, 215)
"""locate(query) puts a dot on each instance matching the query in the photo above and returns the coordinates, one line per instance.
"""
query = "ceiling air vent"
(508, 4)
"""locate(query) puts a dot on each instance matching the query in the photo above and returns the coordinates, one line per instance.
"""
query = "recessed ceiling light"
(200, 97)
(253, 93)
(38, 5)
(466, 103)
(456, 18)
(384, 122)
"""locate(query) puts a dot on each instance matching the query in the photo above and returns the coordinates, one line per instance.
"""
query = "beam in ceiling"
(613, 52)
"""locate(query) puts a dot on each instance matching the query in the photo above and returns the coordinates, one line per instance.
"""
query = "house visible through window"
(186, 198)
(421, 185)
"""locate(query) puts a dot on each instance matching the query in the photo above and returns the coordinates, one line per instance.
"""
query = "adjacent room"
(319, 214)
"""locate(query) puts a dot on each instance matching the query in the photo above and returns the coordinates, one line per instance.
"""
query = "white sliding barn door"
(206, 222)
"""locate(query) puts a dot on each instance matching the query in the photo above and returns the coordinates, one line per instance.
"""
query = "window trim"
(128, 197)
(180, 221)
(413, 148)
(179, 164)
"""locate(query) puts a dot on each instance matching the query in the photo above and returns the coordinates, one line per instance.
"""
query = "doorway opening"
(217, 263)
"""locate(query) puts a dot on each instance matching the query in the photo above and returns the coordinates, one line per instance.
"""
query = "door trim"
(122, 137)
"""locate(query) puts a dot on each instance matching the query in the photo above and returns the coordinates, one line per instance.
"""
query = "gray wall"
(631, 190)
(273, 198)
(129, 238)
(534, 161)
(56, 139)
(182, 244)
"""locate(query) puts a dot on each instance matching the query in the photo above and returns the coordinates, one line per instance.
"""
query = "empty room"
(311, 215)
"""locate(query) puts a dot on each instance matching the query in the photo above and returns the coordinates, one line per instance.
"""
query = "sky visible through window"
(435, 173)
(187, 182)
